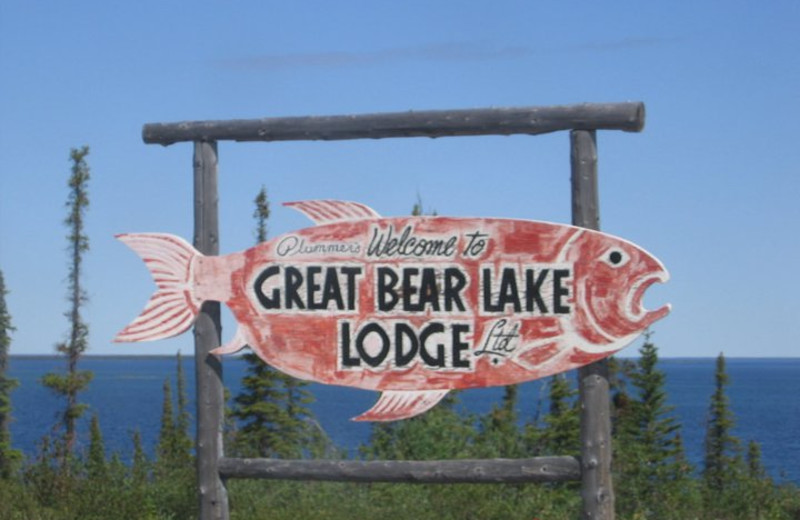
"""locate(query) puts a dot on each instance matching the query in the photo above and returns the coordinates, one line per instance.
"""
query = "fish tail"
(173, 307)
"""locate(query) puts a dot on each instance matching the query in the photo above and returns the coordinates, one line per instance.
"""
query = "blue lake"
(126, 394)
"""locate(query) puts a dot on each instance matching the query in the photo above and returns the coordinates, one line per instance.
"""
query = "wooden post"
(597, 491)
(207, 332)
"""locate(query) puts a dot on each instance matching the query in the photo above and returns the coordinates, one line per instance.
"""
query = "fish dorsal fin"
(330, 211)
(394, 405)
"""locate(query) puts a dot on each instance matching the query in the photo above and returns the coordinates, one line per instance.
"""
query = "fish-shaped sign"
(412, 307)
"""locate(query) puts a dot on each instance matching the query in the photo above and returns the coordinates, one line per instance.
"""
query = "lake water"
(126, 394)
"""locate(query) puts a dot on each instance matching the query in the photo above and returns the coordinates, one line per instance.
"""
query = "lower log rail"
(469, 471)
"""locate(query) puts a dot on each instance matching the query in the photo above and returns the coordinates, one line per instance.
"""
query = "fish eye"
(615, 257)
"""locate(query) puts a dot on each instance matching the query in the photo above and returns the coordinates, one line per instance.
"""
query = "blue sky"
(711, 186)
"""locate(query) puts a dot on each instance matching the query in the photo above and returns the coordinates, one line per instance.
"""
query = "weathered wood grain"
(539, 469)
(596, 490)
(208, 370)
(433, 123)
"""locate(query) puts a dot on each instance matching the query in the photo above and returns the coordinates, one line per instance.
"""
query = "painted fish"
(412, 307)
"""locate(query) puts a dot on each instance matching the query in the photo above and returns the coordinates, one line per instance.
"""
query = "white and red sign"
(412, 307)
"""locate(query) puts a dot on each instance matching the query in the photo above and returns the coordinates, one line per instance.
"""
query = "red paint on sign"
(411, 306)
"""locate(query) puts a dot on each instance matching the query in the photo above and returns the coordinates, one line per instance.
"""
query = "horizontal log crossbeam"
(432, 123)
(537, 469)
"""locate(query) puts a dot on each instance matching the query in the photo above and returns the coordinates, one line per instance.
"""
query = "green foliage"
(499, 432)
(272, 407)
(9, 458)
(182, 439)
(440, 433)
(96, 460)
(45, 490)
(174, 448)
(649, 459)
(721, 461)
(261, 214)
(69, 385)
(559, 435)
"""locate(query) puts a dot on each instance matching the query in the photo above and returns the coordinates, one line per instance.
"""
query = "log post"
(212, 494)
(595, 409)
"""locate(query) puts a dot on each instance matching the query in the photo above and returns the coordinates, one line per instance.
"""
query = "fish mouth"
(633, 303)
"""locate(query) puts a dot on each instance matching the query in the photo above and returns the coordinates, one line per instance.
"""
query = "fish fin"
(237, 343)
(330, 211)
(394, 405)
(173, 307)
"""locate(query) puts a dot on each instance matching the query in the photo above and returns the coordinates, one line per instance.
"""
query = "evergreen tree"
(649, 457)
(755, 468)
(654, 428)
(560, 435)
(619, 371)
(500, 435)
(721, 447)
(182, 440)
(272, 406)
(96, 461)
(139, 464)
(439, 433)
(174, 448)
(8, 456)
(166, 434)
(69, 385)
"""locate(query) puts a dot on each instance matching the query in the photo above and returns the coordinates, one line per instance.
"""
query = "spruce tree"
(8, 456)
(755, 468)
(649, 457)
(654, 427)
(165, 448)
(96, 460)
(500, 435)
(560, 435)
(174, 448)
(182, 440)
(271, 406)
(69, 385)
(139, 463)
(721, 447)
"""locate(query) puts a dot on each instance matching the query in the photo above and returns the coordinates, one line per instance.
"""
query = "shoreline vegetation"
(652, 478)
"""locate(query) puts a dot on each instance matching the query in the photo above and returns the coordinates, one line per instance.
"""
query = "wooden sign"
(412, 307)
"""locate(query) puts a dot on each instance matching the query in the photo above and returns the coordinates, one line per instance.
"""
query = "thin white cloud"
(441, 52)
(436, 52)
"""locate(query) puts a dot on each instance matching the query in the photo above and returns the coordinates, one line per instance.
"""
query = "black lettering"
(312, 287)
(332, 291)
(487, 292)
(508, 290)
(268, 302)
(460, 346)
(410, 289)
(439, 360)
(350, 273)
(347, 359)
(559, 290)
(375, 243)
(377, 359)
(533, 290)
(454, 283)
(294, 279)
(401, 358)
(428, 292)
(387, 296)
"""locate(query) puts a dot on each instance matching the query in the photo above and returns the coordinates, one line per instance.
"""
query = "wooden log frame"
(431, 123)
(486, 471)
(593, 468)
